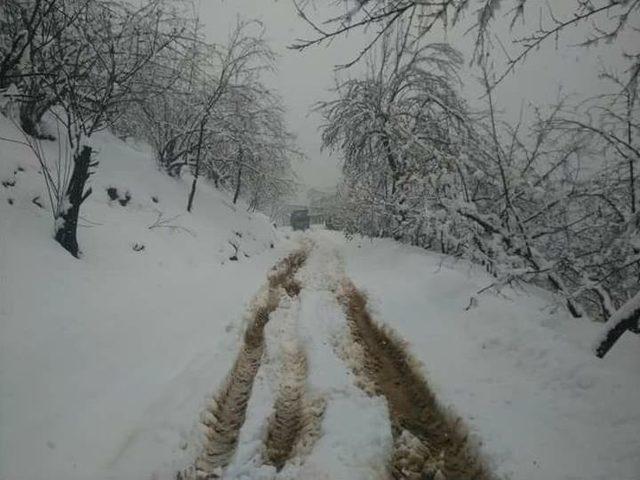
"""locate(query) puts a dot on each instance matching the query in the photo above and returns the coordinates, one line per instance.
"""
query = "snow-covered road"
(321, 390)
(514, 371)
(306, 417)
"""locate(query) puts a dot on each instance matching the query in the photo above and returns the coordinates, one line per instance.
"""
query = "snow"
(356, 440)
(518, 370)
(247, 462)
(107, 362)
(355, 436)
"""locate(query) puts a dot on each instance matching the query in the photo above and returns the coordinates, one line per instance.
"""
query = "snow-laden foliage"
(603, 276)
(209, 111)
(538, 205)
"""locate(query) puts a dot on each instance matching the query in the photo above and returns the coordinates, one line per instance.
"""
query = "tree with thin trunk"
(196, 172)
(104, 47)
(236, 194)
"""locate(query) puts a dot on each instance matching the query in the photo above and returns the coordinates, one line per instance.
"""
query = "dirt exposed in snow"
(226, 412)
(428, 443)
(295, 423)
(287, 422)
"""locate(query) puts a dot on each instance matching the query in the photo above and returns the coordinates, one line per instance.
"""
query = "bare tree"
(416, 20)
(608, 253)
(216, 118)
(97, 58)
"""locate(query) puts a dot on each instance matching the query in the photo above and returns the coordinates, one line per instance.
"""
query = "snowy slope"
(518, 370)
(105, 362)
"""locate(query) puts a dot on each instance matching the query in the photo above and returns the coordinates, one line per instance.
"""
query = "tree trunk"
(33, 109)
(197, 172)
(626, 318)
(632, 183)
(66, 231)
(393, 165)
(238, 178)
(238, 184)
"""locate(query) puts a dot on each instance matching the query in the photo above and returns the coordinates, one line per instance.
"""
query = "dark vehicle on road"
(300, 219)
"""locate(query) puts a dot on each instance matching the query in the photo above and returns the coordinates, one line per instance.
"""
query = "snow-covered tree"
(607, 249)
(422, 168)
(213, 116)
(553, 203)
(86, 66)
(399, 126)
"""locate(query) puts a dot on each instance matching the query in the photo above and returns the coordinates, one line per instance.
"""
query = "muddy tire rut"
(294, 425)
(428, 443)
(287, 421)
(226, 412)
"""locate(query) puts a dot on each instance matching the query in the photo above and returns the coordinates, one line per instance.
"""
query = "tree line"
(552, 202)
(144, 70)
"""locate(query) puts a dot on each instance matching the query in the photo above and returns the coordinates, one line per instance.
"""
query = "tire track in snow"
(352, 437)
(226, 412)
(291, 415)
(295, 423)
(428, 443)
(283, 418)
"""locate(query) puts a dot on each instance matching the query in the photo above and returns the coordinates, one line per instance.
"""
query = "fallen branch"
(166, 223)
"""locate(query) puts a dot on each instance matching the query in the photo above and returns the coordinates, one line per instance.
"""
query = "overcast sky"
(304, 78)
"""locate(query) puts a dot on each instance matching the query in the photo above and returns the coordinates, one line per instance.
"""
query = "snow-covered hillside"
(105, 361)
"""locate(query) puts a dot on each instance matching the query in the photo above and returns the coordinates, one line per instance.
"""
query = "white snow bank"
(105, 362)
(518, 370)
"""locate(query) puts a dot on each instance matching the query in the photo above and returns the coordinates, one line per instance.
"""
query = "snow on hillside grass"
(516, 367)
(106, 361)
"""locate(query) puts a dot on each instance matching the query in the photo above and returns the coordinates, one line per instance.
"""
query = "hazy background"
(303, 78)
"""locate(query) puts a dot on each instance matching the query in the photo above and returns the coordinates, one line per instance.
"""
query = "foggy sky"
(303, 78)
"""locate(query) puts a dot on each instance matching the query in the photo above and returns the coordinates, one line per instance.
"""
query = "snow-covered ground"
(355, 436)
(106, 362)
(519, 371)
(514, 366)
